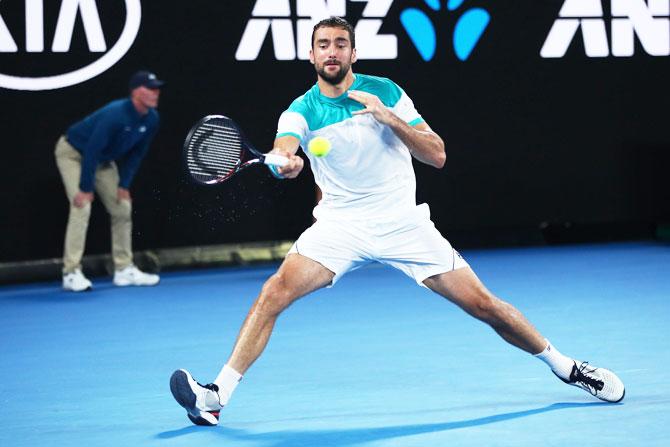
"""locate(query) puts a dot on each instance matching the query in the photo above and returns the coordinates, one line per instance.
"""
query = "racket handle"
(275, 160)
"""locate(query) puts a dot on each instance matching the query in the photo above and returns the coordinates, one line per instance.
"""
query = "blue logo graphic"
(421, 31)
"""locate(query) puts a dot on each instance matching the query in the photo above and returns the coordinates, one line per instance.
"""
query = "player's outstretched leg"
(296, 277)
(463, 288)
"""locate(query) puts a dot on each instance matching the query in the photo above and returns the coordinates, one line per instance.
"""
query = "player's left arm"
(424, 144)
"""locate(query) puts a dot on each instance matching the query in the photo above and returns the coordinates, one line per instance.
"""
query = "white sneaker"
(132, 276)
(600, 382)
(201, 402)
(76, 282)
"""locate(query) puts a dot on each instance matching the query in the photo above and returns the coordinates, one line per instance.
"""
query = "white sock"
(227, 381)
(558, 363)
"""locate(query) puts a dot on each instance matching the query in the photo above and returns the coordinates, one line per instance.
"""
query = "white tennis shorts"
(411, 244)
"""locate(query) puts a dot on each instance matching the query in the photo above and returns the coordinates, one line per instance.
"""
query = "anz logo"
(649, 21)
(29, 41)
(275, 17)
(469, 28)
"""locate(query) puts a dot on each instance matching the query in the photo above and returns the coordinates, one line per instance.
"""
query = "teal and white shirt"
(368, 172)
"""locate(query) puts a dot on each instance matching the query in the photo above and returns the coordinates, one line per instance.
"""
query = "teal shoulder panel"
(299, 105)
(321, 111)
(385, 89)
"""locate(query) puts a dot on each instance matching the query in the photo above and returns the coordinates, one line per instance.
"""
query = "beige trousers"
(68, 160)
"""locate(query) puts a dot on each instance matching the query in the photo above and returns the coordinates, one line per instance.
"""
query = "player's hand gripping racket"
(215, 149)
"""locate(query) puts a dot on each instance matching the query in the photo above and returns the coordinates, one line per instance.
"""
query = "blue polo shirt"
(115, 132)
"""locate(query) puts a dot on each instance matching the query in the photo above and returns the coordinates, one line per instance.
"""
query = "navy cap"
(144, 79)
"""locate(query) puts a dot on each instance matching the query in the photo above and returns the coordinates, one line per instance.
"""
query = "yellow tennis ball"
(319, 146)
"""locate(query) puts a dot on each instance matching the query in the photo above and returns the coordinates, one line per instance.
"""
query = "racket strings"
(214, 151)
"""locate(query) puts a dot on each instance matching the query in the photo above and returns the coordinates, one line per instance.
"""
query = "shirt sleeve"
(292, 123)
(406, 111)
(128, 168)
(90, 153)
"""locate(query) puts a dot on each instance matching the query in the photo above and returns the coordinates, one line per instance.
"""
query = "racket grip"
(275, 160)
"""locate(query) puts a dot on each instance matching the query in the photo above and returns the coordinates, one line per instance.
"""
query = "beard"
(333, 78)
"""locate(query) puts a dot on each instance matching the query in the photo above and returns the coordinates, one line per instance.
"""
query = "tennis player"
(368, 213)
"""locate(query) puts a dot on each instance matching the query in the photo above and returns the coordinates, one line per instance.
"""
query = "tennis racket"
(215, 149)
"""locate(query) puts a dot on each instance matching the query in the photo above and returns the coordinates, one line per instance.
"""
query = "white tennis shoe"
(132, 276)
(201, 402)
(76, 282)
(599, 382)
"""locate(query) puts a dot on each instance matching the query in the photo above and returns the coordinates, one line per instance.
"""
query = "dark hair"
(336, 22)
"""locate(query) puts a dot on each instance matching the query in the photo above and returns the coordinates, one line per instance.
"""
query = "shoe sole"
(69, 289)
(183, 394)
(202, 421)
(181, 390)
(126, 284)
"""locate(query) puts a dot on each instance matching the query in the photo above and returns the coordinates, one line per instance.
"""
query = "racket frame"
(242, 163)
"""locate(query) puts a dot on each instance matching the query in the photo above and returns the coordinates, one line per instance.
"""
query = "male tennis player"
(102, 152)
(368, 213)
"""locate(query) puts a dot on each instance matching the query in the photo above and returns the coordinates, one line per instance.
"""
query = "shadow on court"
(349, 437)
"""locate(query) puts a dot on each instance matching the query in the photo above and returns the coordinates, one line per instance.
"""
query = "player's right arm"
(287, 146)
(291, 130)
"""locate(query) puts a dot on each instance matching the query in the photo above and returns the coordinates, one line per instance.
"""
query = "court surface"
(374, 361)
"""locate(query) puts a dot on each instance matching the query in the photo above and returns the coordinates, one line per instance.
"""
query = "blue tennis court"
(374, 361)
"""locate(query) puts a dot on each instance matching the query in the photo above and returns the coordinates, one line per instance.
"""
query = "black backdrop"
(529, 140)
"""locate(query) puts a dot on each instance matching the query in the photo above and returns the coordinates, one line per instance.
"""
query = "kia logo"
(35, 41)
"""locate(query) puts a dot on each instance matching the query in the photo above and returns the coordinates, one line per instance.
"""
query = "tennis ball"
(319, 146)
